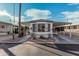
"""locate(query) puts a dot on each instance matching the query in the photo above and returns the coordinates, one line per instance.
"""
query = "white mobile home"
(42, 27)
(5, 27)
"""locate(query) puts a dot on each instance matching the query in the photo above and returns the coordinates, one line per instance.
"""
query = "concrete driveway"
(23, 49)
(29, 50)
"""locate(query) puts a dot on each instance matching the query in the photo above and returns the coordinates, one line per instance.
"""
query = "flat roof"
(44, 20)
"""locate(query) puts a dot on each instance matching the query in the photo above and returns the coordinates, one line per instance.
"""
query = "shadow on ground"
(5, 47)
(65, 47)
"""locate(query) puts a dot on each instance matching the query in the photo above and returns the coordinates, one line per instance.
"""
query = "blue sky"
(33, 11)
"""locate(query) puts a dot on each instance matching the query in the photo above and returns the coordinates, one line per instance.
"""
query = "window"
(48, 27)
(33, 27)
(75, 27)
(41, 27)
(68, 27)
(3, 26)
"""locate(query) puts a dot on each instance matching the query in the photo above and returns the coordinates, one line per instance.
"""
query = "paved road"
(26, 49)
(60, 40)
(64, 44)
(9, 39)
(5, 37)
(64, 40)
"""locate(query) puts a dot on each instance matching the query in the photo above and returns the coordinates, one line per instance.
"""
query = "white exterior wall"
(42, 33)
(6, 28)
(30, 28)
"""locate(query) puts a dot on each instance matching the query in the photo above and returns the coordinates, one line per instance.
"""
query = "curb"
(55, 51)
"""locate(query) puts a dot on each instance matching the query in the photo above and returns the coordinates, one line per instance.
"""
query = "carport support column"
(65, 30)
(31, 28)
(51, 29)
(77, 26)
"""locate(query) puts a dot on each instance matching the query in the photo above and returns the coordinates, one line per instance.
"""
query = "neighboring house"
(5, 27)
(42, 27)
(74, 28)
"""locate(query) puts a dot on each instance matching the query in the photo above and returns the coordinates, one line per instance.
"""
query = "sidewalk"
(16, 40)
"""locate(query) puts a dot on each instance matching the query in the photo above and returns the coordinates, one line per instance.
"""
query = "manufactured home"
(73, 27)
(5, 27)
(42, 27)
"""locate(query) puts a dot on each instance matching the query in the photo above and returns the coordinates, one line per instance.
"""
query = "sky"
(62, 12)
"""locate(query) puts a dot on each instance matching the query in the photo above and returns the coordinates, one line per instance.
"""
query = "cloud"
(5, 14)
(72, 16)
(38, 14)
(71, 4)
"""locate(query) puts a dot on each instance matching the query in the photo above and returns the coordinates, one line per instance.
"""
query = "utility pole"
(19, 20)
(14, 20)
(14, 14)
